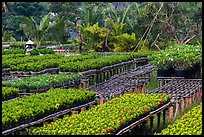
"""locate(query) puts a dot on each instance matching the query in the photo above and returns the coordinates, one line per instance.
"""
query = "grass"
(154, 82)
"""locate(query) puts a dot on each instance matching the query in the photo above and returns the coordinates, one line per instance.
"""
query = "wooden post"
(82, 109)
(143, 89)
(80, 85)
(177, 107)
(186, 100)
(74, 112)
(160, 83)
(130, 132)
(101, 101)
(171, 113)
(84, 85)
(158, 121)
(143, 127)
(102, 77)
(182, 104)
(199, 93)
(135, 89)
(151, 123)
(190, 100)
(87, 85)
(164, 116)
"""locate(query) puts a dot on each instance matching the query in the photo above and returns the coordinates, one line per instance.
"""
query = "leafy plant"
(13, 51)
(103, 119)
(177, 56)
(32, 107)
(41, 81)
(189, 124)
(9, 92)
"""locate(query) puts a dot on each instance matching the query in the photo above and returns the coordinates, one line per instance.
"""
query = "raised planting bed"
(13, 51)
(189, 124)
(95, 63)
(176, 59)
(38, 63)
(41, 83)
(9, 92)
(108, 118)
(31, 108)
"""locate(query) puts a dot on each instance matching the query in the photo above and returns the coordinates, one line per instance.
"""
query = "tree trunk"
(148, 33)
(106, 40)
(149, 28)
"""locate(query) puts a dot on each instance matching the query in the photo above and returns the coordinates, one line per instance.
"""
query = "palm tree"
(91, 13)
(57, 31)
(115, 22)
(115, 19)
(36, 31)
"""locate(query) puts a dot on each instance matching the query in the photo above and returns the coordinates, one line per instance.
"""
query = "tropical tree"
(94, 37)
(90, 14)
(185, 21)
(35, 31)
(68, 10)
(116, 20)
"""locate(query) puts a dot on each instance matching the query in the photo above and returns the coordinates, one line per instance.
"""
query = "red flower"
(107, 128)
(145, 109)
(127, 111)
(184, 117)
(138, 111)
(161, 100)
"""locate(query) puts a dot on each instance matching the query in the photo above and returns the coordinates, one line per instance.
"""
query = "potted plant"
(182, 66)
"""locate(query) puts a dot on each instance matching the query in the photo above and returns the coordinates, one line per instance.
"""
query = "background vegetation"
(104, 26)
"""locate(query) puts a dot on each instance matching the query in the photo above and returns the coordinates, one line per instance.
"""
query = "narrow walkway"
(123, 82)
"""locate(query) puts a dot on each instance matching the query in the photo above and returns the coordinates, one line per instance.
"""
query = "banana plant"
(114, 19)
(37, 32)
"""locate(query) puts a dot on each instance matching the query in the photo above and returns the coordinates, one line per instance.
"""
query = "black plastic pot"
(164, 73)
(183, 73)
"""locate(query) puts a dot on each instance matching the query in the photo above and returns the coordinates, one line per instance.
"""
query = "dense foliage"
(103, 119)
(177, 56)
(72, 63)
(42, 51)
(150, 25)
(38, 63)
(41, 81)
(189, 124)
(9, 92)
(13, 51)
(100, 62)
(34, 106)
